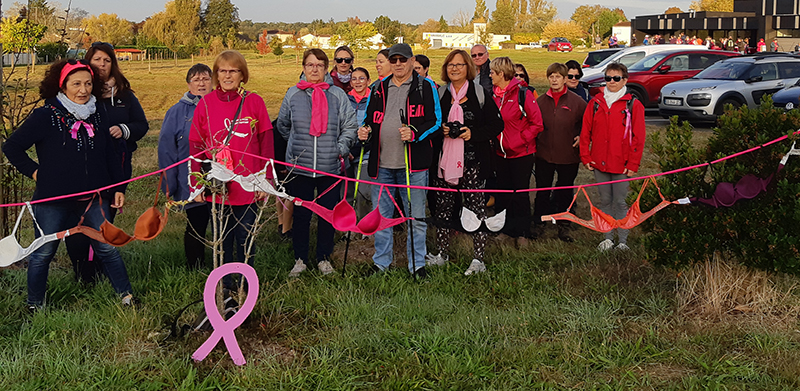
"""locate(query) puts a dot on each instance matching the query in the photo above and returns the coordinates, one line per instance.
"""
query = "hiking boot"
(622, 247)
(373, 270)
(475, 267)
(299, 267)
(421, 273)
(605, 245)
(436, 260)
(325, 266)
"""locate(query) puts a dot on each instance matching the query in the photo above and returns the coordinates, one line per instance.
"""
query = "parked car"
(596, 56)
(631, 55)
(737, 81)
(787, 98)
(535, 45)
(559, 44)
(650, 74)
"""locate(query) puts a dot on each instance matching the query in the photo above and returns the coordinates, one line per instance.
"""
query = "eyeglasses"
(476, 55)
(394, 60)
(576, 77)
(456, 66)
(198, 80)
(98, 43)
(346, 60)
(312, 66)
(615, 78)
(520, 75)
(231, 72)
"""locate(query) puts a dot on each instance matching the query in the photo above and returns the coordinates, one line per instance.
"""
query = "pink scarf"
(451, 162)
(319, 107)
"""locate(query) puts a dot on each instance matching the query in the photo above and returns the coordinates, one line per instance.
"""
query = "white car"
(631, 55)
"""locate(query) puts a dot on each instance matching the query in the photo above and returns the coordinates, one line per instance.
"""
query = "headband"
(71, 67)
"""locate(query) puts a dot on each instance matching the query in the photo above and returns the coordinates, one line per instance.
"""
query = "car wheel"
(637, 93)
(721, 105)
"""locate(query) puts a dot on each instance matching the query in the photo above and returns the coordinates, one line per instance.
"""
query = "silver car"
(737, 81)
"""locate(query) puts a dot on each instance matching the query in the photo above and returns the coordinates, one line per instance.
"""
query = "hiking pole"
(355, 199)
(408, 199)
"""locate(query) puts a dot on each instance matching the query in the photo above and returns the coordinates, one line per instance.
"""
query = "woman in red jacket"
(612, 140)
(516, 145)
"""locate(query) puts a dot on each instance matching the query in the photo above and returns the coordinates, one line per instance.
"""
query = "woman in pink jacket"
(216, 124)
(516, 145)
(611, 142)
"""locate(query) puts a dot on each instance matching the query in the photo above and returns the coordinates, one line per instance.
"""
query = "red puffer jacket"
(607, 141)
(519, 135)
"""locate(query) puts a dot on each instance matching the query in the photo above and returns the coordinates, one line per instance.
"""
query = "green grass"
(553, 317)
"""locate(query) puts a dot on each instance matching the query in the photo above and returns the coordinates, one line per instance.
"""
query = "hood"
(512, 86)
(189, 99)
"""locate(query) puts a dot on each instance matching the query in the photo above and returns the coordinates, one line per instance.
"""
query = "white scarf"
(612, 97)
(81, 112)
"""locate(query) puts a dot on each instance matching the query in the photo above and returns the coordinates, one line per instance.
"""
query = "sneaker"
(325, 266)
(436, 260)
(128, 300)
(33, 308)
(373, 270)
(299, 267)
(622, 247)
(475, 267)
(421, 273)
(605, 245)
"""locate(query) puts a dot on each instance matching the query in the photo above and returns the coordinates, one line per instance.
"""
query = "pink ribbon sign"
(225, 329)
(77, 126)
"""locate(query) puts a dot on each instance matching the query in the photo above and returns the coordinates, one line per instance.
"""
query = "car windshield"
(561, 40)
(648, 62)
(609, 59)
(726, 70)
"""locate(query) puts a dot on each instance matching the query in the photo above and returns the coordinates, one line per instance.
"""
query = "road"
(652, 118)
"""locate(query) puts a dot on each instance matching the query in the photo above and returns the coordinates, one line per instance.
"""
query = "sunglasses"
(522, 75)
(98, 43)
(346, 60)
(394, 60)
(476, 55)
(615, 78)
(73, 61)
(576, 77)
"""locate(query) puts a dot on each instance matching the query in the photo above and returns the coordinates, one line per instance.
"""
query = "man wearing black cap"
(403, 115)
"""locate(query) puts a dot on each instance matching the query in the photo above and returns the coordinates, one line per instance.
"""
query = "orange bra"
(148, 225)
(602, 222)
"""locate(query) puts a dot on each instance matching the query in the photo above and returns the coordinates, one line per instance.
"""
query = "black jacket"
(486, 80)
(484, 123)
(424, 116)
(65, 165)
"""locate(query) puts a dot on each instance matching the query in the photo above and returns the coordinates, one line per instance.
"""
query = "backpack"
(521, 101)
(629, 106)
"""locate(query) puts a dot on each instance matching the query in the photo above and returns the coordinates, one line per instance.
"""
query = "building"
(752, 19)
(129, 54)
(464, 40)
(325, 42)
(284, 36)
(623, 32)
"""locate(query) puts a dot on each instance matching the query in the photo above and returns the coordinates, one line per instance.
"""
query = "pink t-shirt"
(252, 133)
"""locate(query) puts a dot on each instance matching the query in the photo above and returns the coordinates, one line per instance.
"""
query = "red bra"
(343, 216)
(148, 225)
(602, 222)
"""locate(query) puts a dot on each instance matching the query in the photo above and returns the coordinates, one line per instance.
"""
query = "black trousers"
(553, 201)
(514, 174)
(304, 188)
(194, 244)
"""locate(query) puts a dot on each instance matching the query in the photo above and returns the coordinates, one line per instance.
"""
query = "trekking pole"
(355, 199)
(408, 198)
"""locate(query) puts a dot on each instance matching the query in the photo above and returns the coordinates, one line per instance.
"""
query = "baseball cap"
(401, 49)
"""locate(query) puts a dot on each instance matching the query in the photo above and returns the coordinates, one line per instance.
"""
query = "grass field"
(555, 316)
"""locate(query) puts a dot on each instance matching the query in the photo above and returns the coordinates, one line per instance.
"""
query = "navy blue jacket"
(173, 146)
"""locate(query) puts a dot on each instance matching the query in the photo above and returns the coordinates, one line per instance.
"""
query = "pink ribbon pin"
(77, 126)
(225, 329)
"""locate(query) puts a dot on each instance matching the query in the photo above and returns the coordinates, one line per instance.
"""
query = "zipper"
(314, 174)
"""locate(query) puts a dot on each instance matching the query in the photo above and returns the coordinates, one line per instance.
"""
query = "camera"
(455, 129)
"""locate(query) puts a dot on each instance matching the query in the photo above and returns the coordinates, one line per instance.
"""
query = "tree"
(20, 35)
(503, 18)
(298, 45)
(481, 14)
(425, 45)
(562, 28)
(712, 5)
(177, 26)
(443, 27)
(540, 13)
(388, 28)
(219, 17)
(461, 21)
(673, 10)
(263, 46)
(277, 47)
(215, 46)
(586, 16)
(485, 37)
(109, 28)
(355, 35)
(607, 20)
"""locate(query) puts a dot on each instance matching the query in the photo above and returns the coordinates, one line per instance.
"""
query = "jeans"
(612, 200)
(194, 244)
(303, 187)
(384, 239)
(59, 216)
(239, 221)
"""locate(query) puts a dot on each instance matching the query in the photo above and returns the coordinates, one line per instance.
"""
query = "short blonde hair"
(557, 67)
(503, 65)
(471, 72)
(234, 59)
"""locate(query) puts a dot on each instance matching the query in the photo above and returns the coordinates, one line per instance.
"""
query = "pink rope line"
(665, 173)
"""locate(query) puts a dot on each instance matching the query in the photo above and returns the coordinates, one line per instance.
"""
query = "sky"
(411, 11)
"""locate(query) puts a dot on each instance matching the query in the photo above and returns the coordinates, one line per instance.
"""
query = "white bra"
(471, 222)
(251, 183)
(10, 249)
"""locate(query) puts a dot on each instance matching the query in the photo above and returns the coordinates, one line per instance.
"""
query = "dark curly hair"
(122, 84)
(50, 87)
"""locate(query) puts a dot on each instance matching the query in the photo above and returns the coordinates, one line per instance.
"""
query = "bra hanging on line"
(10, 249)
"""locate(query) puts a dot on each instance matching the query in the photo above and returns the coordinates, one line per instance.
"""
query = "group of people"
(483, 127)
(741, 45)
